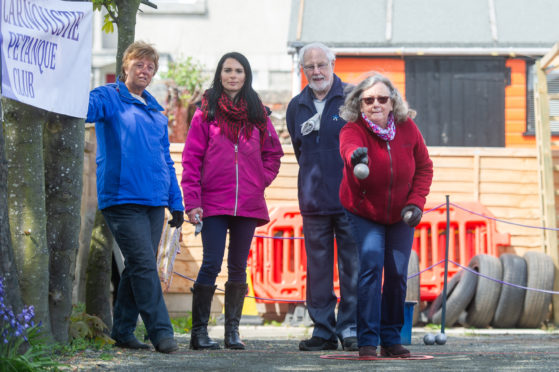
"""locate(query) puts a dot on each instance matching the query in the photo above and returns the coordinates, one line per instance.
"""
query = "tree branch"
(149, 3)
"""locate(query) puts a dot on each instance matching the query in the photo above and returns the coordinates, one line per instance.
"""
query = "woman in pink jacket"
(232, 154)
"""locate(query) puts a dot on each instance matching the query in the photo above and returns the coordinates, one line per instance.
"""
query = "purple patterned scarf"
(385, 134)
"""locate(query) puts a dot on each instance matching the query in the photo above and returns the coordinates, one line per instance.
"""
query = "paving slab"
(276, 349)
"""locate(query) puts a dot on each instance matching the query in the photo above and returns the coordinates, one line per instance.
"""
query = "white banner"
(46, 54)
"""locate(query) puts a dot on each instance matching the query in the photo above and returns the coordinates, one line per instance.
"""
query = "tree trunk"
(98, 276)
(8, 271)
(26, 202)
(88, 209)
(98, 279)
(127, 10)
(63, 153)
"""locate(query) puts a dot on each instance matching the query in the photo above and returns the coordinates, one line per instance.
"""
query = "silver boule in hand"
(407, 216)
(361, 171)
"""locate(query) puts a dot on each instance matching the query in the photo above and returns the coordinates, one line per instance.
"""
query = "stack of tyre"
(476, 300)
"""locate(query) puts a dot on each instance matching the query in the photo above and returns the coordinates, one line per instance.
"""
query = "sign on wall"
(46, 54)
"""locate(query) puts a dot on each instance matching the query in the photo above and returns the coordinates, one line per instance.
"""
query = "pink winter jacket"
(226, 178)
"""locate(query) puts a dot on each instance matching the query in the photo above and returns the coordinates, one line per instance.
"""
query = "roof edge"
(433, 51)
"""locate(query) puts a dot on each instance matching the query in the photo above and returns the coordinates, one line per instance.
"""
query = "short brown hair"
(138, 50)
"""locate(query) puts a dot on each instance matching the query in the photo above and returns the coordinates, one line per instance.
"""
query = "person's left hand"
(411, 215)
(177, 220)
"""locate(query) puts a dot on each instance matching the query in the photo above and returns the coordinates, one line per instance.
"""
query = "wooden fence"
(505, 180)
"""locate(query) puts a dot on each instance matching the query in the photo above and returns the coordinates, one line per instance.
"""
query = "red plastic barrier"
(470, 235)
(279, 268)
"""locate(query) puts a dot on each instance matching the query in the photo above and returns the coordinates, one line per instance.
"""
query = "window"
(552, 88)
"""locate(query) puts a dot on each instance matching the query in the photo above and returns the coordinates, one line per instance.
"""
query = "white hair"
(351, 108)
(329, 54)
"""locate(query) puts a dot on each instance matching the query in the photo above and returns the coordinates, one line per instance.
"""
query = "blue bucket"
(405, 333)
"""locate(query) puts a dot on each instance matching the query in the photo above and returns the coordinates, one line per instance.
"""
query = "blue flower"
(12, 326)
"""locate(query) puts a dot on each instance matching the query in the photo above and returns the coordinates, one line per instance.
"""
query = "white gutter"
(434, 51)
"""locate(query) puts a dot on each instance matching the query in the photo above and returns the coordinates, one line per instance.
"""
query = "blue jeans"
(214, 232)
(321, 300)
(137, 230)
(380, 313)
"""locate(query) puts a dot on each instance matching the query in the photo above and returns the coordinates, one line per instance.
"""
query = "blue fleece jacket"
(318, 153)
(134, 165)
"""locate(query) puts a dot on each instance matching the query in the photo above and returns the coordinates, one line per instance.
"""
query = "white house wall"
(256, 28)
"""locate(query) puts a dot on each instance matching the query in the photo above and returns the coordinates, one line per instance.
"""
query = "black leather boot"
(201, 305)
(234, 300)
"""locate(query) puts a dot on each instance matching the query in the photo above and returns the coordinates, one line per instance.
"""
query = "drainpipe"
(295, 68)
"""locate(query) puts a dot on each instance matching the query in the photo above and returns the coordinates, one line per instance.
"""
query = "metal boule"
(429, 339)
(440, 339)
(361, 171)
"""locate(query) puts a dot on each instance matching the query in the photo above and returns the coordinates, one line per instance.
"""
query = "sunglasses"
(370, 100)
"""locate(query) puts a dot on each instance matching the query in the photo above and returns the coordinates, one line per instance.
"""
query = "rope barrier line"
(428, 211)
(409, 277)
(279, 237)
(256, 298)
(426, 269)
(435, 208)
(502, 282)
(503, 221)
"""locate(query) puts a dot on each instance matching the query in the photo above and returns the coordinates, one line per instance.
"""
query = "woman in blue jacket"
(136, 181)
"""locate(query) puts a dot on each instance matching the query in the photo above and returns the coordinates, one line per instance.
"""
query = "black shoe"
(167, 345)
(394, 351)
(350, 344)
(201, 305)
(234, 300)
(318, 343)
(368, 351)
(133, 343)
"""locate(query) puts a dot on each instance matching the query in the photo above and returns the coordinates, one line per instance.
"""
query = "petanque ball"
(361, 171)
(440, 339)
(429, 339)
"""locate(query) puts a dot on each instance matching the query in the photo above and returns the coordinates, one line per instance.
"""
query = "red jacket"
(226, 178)
(400, 172)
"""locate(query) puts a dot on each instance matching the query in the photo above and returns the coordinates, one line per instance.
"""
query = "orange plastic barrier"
(279, 268)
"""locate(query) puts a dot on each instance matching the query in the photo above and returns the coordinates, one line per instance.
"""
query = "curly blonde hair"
(351, 108)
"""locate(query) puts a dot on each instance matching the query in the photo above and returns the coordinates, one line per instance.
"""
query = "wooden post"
(545, 170)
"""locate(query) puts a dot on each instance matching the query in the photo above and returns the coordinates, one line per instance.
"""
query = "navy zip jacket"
(318, 153)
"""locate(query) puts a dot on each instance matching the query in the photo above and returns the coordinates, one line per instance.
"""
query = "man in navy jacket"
(314, 125)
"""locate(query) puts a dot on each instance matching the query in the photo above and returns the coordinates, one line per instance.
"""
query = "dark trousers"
(380, 313)
(137, 230)
(321, 300)
(214, 232)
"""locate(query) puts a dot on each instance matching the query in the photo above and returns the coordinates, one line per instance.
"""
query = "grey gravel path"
(276, 349)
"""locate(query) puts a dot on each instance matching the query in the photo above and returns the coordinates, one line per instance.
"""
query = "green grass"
(183, 324)
(274, 323)
(434, 327)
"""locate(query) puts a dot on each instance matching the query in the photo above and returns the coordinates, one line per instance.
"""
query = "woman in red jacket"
(384, 206)
(232, 153)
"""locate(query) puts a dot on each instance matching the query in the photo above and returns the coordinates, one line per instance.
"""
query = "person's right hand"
(359, 156)
(192, 215)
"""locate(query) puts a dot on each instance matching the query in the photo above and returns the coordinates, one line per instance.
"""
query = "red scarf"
(233, 118)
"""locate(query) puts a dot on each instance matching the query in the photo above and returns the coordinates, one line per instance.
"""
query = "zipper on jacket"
(390, 184)
(236, 178)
